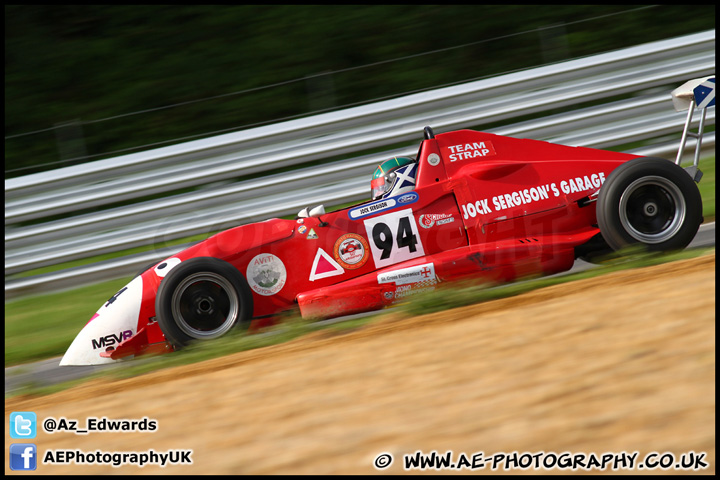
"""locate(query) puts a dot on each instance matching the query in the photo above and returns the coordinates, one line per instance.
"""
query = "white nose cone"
(114, 322)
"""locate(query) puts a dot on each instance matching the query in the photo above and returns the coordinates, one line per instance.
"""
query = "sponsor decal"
(266, 274)
(408, 198)
(580, 184)
(312, 235)
(430, 219)
(111, 340)
(538, 193)
(324, 266)
(404, 276)
(393, 238)
(411, 280)
(382, 205)
(466, 151)
(302, 229)
(351, 251)
(112, 299)
(433, 159)
(415, 288)
(300, 221)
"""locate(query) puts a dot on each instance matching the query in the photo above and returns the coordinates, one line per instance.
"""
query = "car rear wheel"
(649, 201)
(201, 299)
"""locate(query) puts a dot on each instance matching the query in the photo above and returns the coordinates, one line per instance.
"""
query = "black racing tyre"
(200, 299)
(649, 201)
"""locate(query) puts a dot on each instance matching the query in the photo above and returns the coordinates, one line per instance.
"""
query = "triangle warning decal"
(324, 266)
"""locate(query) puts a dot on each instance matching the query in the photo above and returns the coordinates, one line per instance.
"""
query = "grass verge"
(447, 297)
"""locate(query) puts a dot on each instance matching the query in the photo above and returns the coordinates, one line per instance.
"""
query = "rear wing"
(698, 93)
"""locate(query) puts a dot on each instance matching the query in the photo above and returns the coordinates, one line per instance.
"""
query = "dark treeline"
(89, 82)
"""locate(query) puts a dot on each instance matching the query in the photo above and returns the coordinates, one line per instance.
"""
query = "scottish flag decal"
(705, 93)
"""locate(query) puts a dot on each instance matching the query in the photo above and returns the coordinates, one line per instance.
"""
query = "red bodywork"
(485, 206)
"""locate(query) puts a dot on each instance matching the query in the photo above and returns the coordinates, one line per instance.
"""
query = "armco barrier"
(629, 89)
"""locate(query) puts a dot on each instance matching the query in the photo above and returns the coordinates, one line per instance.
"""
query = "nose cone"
(114, 322)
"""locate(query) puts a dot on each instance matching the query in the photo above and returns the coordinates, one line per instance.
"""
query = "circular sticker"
(163, 268)
(433, 159)
(351, 251)
(266, 274)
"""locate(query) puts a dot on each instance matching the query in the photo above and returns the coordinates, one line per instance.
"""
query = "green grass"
(43, 326)
(707, 187)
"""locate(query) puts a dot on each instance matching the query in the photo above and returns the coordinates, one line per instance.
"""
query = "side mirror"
(317, 211)
(311, 212)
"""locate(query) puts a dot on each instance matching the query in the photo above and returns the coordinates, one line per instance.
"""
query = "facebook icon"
(23, 456)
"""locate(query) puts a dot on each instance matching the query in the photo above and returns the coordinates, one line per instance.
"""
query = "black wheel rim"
(652, 209)
(205, 305)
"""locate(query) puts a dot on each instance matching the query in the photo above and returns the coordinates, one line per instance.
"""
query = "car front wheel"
(201, 299)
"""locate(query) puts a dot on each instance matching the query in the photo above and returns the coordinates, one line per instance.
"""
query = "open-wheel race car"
(471, 205)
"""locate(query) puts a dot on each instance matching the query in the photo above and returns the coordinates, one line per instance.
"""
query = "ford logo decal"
(410, 197)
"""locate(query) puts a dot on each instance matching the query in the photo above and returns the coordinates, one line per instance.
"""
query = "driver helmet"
(393, 177)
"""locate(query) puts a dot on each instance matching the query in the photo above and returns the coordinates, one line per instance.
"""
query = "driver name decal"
(526, 196)
(382, 205)
(466, 151)
(266, 274)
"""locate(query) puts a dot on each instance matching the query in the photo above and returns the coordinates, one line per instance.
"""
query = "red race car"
(470, 205)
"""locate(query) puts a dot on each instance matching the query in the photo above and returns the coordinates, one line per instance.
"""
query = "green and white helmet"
(394, 177)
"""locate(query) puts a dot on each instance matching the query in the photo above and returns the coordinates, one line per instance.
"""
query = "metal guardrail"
(348, 131)
(288, 132)
(644, 71)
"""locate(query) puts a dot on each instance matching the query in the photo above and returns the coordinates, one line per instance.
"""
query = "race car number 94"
(394, 238)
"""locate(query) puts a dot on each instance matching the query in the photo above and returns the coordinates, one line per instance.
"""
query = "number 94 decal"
(394, 238)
